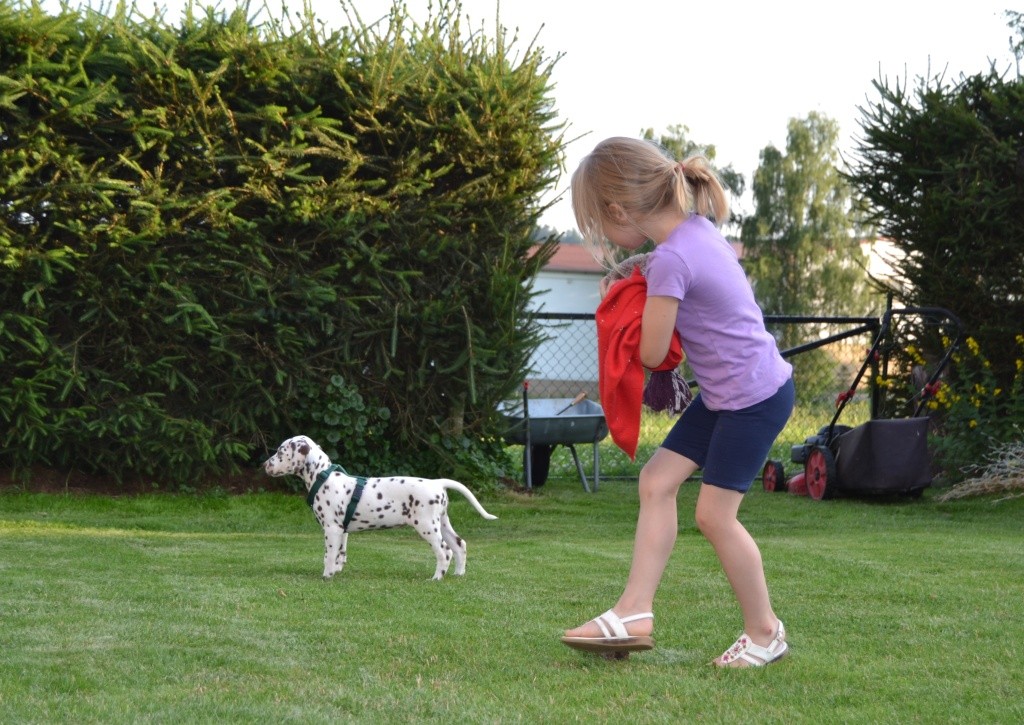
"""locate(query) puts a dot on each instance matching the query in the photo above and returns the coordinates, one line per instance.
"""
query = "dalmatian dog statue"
(344, 503)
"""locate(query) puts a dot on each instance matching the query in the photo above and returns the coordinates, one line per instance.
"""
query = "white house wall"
(572, 353)
(567, 292)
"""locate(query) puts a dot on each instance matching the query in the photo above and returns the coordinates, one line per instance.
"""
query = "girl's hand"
(606, 284)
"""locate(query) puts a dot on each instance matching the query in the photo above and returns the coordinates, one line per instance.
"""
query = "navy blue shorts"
(731, 445)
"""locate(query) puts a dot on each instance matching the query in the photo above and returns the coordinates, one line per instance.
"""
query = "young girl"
(625, 192)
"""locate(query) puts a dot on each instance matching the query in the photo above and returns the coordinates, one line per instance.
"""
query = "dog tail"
(449, 483)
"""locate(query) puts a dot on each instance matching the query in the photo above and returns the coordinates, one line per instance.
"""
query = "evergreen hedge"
(940, 167)
(217, 234)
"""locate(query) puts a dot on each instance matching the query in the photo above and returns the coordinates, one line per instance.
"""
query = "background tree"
(1015, 20)
(940, 167)
(543, 233)
(800, 245)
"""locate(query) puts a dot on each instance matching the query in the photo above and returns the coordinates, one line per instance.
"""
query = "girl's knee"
(662, 476)
(654, 486)
(708, 522)
(714, 515)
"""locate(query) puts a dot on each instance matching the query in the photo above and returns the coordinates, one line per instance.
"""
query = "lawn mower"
(881, 456)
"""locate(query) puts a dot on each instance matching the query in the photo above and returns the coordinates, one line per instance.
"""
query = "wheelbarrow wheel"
(773, 477)
(820, 473)
(539, 461)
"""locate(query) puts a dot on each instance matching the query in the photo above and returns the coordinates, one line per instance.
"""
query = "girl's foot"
(642, 626)
(745, 652)
(610, 634)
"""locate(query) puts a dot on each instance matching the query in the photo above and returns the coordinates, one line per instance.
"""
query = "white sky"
(733, 71)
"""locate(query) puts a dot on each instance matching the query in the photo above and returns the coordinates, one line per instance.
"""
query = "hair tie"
(682, 167)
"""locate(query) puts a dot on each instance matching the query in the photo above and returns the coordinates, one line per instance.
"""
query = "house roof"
(572, 258)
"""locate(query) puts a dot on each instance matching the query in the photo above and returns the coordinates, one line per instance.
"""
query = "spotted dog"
(344, 503)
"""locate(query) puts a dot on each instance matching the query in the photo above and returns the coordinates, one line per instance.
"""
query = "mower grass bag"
(884, 456)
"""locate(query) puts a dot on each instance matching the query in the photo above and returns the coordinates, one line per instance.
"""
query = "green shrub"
(202, 226)
(977, 416)
(350, 431)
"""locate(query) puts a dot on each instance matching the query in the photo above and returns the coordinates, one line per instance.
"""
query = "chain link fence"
(827, 354)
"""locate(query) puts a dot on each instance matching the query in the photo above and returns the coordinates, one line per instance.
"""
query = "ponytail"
(702, 189)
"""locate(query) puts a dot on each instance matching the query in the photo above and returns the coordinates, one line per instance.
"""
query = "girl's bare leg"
(656, 528)
(740, 558)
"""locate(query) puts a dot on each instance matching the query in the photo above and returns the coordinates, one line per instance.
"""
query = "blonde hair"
(642, 178)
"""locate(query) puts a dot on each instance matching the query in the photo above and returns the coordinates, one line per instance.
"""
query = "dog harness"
(350, 511)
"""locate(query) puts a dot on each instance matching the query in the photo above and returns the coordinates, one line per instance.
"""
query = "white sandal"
(754, 655)
(615, 638)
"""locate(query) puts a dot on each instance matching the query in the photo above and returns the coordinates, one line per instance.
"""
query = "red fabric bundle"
(620, 372)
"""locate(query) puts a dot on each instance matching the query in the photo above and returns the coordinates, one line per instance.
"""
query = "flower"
(916, 355)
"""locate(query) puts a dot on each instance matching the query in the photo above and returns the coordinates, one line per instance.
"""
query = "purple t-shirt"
(735, 360)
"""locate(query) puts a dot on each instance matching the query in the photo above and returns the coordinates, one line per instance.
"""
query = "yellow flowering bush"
(975, 415)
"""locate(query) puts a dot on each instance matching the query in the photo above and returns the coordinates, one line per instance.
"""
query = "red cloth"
(620, 372)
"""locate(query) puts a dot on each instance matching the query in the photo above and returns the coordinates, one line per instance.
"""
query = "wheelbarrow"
(881, 456)
(541, 424)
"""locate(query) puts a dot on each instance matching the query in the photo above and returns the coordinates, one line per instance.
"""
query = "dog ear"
(304, 449)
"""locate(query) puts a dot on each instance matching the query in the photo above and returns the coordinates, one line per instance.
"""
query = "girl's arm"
(659, 322)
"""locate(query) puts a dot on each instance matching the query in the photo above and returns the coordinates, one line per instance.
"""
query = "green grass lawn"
(163, 608)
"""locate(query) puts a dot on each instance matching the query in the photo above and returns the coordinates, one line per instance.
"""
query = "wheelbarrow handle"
(580, 396)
